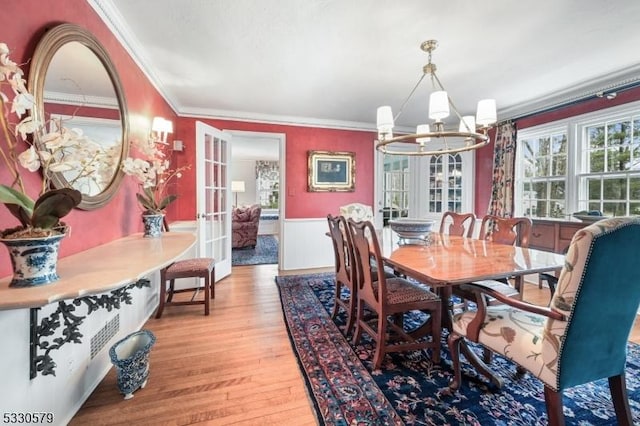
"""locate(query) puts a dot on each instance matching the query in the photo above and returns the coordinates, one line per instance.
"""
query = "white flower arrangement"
(61, 150)
(152, 172)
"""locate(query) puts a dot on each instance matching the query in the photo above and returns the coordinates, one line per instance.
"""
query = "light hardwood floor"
(235, 366)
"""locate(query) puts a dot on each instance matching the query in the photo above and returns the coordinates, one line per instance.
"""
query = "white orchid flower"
(22, 103)
(29, 159)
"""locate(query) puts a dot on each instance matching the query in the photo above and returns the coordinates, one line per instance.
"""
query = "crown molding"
(580, 91)
(72, 99)
(608, 83)
(276, 119)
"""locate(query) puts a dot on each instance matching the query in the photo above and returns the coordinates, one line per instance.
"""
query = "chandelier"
(424, 140)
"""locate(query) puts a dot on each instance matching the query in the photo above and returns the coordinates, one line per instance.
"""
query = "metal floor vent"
(100, 339)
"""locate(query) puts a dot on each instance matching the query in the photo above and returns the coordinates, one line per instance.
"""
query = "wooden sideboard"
(553, 235)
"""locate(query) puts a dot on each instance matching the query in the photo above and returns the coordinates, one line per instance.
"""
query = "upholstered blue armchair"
(582, 335)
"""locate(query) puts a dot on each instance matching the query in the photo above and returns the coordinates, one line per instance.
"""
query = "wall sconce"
(178, 145)
(160, 129)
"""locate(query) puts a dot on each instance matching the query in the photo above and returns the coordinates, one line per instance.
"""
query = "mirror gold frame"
(53, 40)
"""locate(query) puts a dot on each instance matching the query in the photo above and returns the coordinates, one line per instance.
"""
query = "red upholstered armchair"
(245, 226)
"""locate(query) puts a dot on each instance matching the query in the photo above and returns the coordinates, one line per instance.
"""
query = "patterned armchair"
(582, 336)
(244, 226)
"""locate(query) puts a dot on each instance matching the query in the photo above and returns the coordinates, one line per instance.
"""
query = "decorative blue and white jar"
(152, 225)
(130, 356)
(34, 260)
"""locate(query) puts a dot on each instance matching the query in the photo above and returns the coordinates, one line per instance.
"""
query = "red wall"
(23, 24)
(484, 156)
(298, 201)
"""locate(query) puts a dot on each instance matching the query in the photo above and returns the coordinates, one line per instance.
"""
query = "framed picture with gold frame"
(331, 171)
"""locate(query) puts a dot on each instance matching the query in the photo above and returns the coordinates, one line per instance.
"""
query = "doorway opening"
(257, 173)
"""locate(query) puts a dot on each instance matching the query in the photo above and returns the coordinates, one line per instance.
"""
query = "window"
(589, 162)
(544, 168)
(267, 182)
(611, 162)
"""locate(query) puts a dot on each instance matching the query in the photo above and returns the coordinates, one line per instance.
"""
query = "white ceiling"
(333, 62)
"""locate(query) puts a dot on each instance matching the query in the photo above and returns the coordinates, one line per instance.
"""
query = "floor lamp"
(237, 186)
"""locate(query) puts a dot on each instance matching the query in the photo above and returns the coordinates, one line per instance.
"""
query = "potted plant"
(153, 173)
(33, 244)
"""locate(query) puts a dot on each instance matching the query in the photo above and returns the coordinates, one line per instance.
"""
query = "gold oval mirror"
(76, 86)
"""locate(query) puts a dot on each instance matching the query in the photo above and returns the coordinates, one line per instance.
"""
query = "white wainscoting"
(305, 244)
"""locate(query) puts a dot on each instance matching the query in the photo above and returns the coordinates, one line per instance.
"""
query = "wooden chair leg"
(171, 288)
(453, 341)
(351, 314)
(357, 334)
(436, 333)
(381, 342)
(207, 289)
(618, 388)
(487, 355)
(163, 293)
(336, 298)
(553, 400)
(518, 283)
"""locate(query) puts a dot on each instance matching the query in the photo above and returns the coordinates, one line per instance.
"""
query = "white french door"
(424, 187)
(213, 197)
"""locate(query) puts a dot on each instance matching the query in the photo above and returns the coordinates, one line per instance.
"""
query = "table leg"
(445, 301)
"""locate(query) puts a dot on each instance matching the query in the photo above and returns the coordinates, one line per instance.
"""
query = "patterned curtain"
(504, 160)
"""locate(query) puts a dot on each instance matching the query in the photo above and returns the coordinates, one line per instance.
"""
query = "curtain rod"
(598, 94)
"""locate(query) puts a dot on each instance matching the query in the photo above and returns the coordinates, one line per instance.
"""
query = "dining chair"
(582, 335)
(202, 267)
(504, 231)
(357, 211)
(383, 301)
(511, 231)
(345, 270)
(460, 224)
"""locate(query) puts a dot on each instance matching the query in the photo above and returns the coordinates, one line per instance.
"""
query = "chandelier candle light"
(467, 137)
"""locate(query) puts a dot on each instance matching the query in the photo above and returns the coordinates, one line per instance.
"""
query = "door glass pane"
(395, 191)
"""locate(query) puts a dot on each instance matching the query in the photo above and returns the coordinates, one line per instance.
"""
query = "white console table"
(103, 268)
(100, 278)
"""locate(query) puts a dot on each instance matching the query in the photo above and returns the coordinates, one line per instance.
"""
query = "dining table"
(442, 261)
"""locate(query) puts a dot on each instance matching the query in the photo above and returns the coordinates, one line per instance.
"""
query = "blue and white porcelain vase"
(130, 356)
(152, 225)
(34, 260)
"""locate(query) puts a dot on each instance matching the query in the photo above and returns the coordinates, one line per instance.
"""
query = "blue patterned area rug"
(265, 252)
(409, 389)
